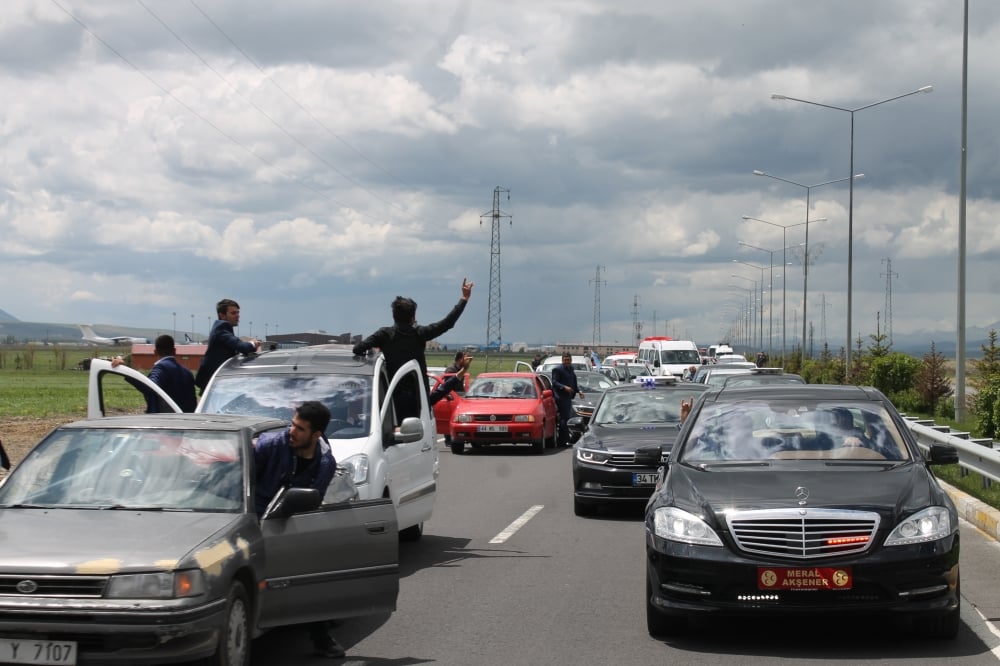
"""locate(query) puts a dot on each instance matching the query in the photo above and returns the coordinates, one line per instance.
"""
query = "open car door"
(112, 391)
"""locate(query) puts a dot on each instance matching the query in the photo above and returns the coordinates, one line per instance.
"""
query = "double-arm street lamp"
(805, 263)
(784, 262)
(770, 319)
(761, 313)
(850, 204)
(760, 304)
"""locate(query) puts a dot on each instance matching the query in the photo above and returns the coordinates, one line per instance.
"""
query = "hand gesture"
(686, 408)
(466, 289)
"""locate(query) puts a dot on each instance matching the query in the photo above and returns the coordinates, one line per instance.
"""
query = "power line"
(205, 120)
(265, 114)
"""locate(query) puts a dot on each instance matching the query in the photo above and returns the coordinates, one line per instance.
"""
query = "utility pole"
(888, 296)
(636, 324)
(822, 325)
(493, 311)
(596, 338)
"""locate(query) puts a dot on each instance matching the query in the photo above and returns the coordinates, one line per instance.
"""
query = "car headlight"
(524, 418)
(592, 456)
(675, 524)
(357, 467)
(463, 418)
(164, 585)
(930, 524)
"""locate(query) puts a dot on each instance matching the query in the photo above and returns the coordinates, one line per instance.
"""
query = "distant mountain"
(7, 317)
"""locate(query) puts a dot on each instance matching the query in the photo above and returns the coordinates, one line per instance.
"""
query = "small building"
(144, 356)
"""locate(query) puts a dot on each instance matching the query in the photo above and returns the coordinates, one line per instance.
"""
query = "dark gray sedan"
(134, 540)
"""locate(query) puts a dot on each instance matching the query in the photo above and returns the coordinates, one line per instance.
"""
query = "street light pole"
(760, 338)
(805, 262)
(784, 262)
(753, 297)
(850, 202)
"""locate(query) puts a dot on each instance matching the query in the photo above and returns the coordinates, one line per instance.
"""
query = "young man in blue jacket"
(223, 343)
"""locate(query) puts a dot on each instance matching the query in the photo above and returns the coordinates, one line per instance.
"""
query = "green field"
(43, 382)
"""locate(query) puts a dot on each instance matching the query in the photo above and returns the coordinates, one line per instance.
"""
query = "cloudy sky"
(313, 159)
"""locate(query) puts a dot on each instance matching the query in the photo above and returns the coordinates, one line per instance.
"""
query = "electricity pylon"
(494, 337)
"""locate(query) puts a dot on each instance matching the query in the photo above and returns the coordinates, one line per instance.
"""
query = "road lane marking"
(517, 524)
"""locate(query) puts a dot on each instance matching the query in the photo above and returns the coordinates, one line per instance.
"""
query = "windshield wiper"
(741, 463)
(132, 507)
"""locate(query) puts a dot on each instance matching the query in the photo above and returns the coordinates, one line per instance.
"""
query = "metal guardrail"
(974, 454)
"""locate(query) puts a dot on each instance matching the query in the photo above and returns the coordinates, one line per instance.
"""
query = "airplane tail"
(88, 332)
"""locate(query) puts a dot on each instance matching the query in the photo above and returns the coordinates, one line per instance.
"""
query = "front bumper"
(689, 581)
(106, 635)
(517, 433)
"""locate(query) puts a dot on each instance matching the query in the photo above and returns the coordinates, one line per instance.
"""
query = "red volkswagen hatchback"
(505, 408)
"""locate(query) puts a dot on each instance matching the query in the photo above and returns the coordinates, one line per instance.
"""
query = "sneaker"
(330, 649)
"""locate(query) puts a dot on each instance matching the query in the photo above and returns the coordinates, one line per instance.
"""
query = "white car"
(385, 458)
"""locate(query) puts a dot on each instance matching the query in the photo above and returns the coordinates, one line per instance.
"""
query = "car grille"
(803, 533)
(493, 418)
(627, 459)
(55, 586)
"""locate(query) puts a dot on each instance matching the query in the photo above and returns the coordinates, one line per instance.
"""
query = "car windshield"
(502, 387)
(678, 356)
(593, 382)
(759, 430)
(650, 405)
(349, 398)
(151, 469)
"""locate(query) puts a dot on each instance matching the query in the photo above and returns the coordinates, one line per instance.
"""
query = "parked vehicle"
(669, 357)
(385, 457)
(592, 385)
(628, 418)
(758, 376)
(132, 540)
(445, 408)
(800, 500)
(506, 408)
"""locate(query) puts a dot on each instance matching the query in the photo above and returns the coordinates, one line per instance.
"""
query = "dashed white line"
(517, 524)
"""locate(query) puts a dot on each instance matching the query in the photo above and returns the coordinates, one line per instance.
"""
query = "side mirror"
(547, 393)
(293, 501)
(410, 430)
(942, 454)
(576, 423)
(649, 456)
(656, 363)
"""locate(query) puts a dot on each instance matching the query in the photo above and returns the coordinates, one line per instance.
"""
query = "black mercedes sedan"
(627, 418)
(801, 499)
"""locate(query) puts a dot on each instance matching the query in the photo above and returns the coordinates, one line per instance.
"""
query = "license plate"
(805, 578)
(644, 478)
(492, 428)
(31, 651)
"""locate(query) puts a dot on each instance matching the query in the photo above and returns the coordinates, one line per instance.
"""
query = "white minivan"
(385, 458)
(668, 356)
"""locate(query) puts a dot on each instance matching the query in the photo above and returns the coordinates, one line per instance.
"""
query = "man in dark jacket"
(223, 343)
(405, 341)
(564, 389)
(299, 457)
(167, 373)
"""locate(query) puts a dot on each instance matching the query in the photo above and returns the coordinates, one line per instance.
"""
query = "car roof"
(181, 422)
(809, 392)
(500, 375)
(319, 359)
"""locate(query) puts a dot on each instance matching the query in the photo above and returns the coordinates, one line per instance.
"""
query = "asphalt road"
(483, 588)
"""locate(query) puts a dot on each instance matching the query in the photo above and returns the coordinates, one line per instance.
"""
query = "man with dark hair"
(564, 389)
(459, 357)
(167, 373)
(299, 457)
(406, 341)
(223, 343)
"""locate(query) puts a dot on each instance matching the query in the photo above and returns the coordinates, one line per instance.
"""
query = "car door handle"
(375, 528)
(425, 447)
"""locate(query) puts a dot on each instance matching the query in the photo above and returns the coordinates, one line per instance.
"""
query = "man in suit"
(223, 343)
(167, 373)
(564, 389)
(404, 341)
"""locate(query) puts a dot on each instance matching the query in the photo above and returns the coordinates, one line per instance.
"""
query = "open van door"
(111, 391)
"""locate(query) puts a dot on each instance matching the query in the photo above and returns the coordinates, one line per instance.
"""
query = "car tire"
(539, 445)
(550, 442)
(412, 533)
(583, 509)
(658, 624)
(458, 448)
(234, 640)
